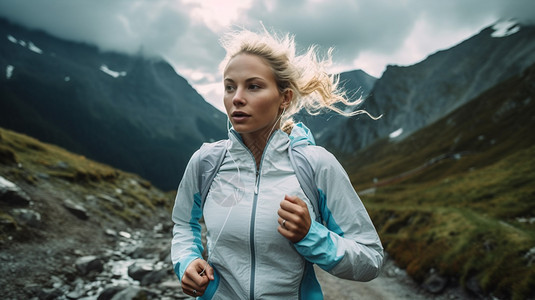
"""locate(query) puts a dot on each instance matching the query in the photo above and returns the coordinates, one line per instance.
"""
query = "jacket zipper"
(253, 212)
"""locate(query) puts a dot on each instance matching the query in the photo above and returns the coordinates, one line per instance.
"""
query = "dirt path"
(393, 283)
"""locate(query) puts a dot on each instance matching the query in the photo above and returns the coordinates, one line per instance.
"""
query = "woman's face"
(251, 98)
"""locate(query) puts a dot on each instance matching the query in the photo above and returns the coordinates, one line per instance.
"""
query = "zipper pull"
(256, 183)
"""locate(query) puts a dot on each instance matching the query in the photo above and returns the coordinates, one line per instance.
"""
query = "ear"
(287, 98)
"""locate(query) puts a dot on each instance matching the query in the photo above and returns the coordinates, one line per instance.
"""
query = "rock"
(171, 284)
(110, 232)
(62, 165)
(7, 223)
(130, 293)
(473, 286)
(76, 294)
(153, 277)
(11, 194)
(42, 175)
(165, 254)
(78, 210)
(145, 252)
(138, 271)
(109, 292)
(116, 203)
(87, 264)
(125, 234)
(435, 283)
(27, 217)
(530, 257)
(49, 294)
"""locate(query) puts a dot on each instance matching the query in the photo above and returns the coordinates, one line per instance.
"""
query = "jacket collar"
(279, 140)
(301, 135)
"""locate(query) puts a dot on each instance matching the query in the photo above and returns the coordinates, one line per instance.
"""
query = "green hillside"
(53, 178)
(458, 197)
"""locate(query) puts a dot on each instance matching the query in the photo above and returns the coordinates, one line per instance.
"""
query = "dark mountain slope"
(414, 96)
(132, 112)
(357, 84)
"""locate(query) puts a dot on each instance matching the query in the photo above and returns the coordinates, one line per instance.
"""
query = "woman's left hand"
(294, 219)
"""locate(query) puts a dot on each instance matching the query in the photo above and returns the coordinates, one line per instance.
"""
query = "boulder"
(130, 293)
(138, 271)
(435, 283)
(87, 264)
(153, 277)
(110, 291)
(27, 217)
(11, 194)
(78, 210)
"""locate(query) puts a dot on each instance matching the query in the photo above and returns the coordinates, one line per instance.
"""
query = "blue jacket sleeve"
(186, 244)
(347, 244)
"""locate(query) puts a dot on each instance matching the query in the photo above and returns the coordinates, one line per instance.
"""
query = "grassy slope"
(455, 196)
(48, 246)
(51, 174)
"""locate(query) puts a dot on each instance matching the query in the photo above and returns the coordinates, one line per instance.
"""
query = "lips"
(239, 116)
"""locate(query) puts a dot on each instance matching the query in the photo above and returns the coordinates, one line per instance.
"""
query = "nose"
(239, 97)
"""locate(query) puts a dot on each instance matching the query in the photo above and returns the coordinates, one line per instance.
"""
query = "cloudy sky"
(366, 34)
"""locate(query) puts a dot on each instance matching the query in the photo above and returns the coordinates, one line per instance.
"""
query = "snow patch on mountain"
(9, 71)
(396, 133)
(110, 72)
(34, 48)
(505, 28)
(29, 45)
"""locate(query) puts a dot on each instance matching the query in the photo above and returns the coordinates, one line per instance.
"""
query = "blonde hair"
(314, 89)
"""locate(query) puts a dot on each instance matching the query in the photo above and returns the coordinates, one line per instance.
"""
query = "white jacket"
(251, 259)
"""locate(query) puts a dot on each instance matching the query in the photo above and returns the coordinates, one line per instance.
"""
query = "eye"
(254, 87)
(229, 88)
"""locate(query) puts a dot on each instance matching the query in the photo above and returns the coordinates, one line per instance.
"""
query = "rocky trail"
(136, 265)
(64, 253)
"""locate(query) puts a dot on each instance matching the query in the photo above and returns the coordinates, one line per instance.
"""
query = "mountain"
(453, 201)
(132, 112)
(357, 84)
(414, 96)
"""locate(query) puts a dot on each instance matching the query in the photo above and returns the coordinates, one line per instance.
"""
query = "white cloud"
(216, 14)
(366, 34)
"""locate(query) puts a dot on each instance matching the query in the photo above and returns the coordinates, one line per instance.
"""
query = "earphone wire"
(212, 250)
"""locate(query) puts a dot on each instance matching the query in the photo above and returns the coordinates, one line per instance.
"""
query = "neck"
(257, 143)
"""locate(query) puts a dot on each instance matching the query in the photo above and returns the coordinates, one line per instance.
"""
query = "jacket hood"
(301, 135)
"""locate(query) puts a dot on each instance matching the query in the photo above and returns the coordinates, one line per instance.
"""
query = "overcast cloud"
(366, 34)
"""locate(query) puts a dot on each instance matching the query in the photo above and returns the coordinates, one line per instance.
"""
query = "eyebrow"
(246, 80)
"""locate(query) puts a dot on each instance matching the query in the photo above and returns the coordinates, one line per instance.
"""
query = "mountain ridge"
(132, 112)
(410, 97)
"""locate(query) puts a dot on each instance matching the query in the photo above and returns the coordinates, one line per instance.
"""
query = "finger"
(292, 212)
(209, 272)
(192, 289)
(283, 223)
(193, 277)
(193, 292)
(289, 206)
(295, 200)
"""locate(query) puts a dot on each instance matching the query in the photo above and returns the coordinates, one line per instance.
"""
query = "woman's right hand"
(196, 277)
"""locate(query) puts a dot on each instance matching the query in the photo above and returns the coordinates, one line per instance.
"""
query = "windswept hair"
(314, 89)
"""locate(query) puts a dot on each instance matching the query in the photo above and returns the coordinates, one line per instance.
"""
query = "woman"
(262, 235)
